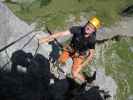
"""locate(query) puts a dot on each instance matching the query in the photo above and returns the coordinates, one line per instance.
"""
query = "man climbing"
(81, 48)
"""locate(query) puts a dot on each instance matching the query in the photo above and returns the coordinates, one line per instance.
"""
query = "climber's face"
(89, 29)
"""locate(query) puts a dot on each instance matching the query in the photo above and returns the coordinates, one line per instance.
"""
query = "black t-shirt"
(79, 42)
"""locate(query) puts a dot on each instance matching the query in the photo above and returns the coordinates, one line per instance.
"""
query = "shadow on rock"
(35, 84)
(127, 11)
(22, 58)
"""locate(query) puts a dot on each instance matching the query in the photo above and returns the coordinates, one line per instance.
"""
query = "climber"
(81, 48)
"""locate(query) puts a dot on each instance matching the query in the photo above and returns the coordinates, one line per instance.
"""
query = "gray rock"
(105, 82)
(122, 28)
(12, 28)
(130, 97)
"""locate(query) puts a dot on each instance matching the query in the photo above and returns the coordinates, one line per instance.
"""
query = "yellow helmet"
(95, 22)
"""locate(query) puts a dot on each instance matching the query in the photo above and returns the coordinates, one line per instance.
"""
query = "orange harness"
(76, 57)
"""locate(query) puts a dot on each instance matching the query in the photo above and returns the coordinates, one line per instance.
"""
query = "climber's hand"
(46, 39)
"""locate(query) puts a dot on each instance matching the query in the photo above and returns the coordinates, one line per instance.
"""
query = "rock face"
(122, 28)
(105, 82)
(7, 23)
(12, 28)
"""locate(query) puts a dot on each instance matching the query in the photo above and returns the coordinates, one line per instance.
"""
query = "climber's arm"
(47, 39)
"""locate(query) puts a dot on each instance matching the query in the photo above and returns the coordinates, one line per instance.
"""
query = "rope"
(38, 45)
(5, 48)
(12, 43)
(57, 42)
(28, 41)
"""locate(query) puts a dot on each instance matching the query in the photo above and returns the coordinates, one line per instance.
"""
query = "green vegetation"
(56, 12)
(44, 2)
(119, 64)
(117, 59)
